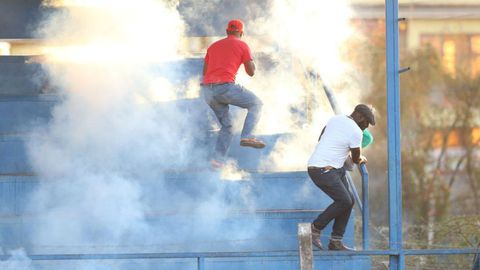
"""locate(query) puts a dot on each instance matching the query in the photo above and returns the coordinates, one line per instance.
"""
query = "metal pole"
(305, 246)
(393, 123)
(354, 191)
(200, 263)
(331, 98)
(201, 256)
(476, 262)
(365, 212)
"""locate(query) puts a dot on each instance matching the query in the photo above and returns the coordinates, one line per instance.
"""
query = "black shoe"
(338, 245)
(316, 237)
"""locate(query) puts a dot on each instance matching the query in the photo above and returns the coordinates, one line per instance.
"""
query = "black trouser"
(334, 184)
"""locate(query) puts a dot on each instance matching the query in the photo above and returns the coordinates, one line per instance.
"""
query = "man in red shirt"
(222, 61)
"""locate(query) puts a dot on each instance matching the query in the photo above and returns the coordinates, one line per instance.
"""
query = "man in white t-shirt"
(341, 137)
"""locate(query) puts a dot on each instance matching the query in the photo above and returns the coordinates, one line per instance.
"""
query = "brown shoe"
(316, 237)
(338, 245)
(216, 164)
(252, 142)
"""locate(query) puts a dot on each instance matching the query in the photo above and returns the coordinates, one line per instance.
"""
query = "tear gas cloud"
(296, 37)
(109, 136)
(88, 154)
(17, 260)
(304, 36)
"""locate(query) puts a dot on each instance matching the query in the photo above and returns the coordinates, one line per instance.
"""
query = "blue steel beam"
(420, 252)
(365, 210)
(354, 191)
(476, 263)
(393, 123)
(202, 255)
(201, 263)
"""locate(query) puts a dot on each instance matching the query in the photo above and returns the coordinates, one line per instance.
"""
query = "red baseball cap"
(235, 25)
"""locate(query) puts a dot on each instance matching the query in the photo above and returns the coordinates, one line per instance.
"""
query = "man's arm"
(249, 67)
(323, 130)
(357, 157)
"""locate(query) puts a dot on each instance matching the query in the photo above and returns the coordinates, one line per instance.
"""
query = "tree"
(440, 139)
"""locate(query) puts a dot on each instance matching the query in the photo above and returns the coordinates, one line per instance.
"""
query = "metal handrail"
(476, 259)
(353, 188)
(365, 213)
(363, 202)
(283, 253)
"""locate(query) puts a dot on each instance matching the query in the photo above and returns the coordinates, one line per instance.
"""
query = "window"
(475, 48)
(458, 52)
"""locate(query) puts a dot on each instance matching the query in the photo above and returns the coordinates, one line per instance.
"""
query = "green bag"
(367, 138)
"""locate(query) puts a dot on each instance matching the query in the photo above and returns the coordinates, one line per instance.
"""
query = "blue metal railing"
(200, 256)
(393, 135)
(396, 252)
(476, 262)
(361, 202)
(365, 211)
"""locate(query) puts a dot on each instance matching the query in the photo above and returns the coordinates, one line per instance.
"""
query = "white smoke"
(302, 36)
(101, 138)
(17, 260)
(295, 37)
(109, 137)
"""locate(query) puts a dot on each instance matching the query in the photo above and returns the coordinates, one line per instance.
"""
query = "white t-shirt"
(341, 133)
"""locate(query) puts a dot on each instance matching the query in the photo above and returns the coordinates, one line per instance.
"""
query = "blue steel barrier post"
(397, 262)
(476, 262)
(365, 213)
(353, 188)
(200, 263)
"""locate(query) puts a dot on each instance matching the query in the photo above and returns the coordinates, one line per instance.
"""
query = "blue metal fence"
(398, 253)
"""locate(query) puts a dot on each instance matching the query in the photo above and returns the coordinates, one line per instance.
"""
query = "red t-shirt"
(223, 59)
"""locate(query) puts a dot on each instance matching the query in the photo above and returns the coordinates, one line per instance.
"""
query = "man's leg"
(222, 113)
(225, 135)
(331, 183)
(341, 220)
(239, 96)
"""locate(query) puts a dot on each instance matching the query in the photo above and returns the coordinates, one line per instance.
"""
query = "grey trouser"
(219, 97)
